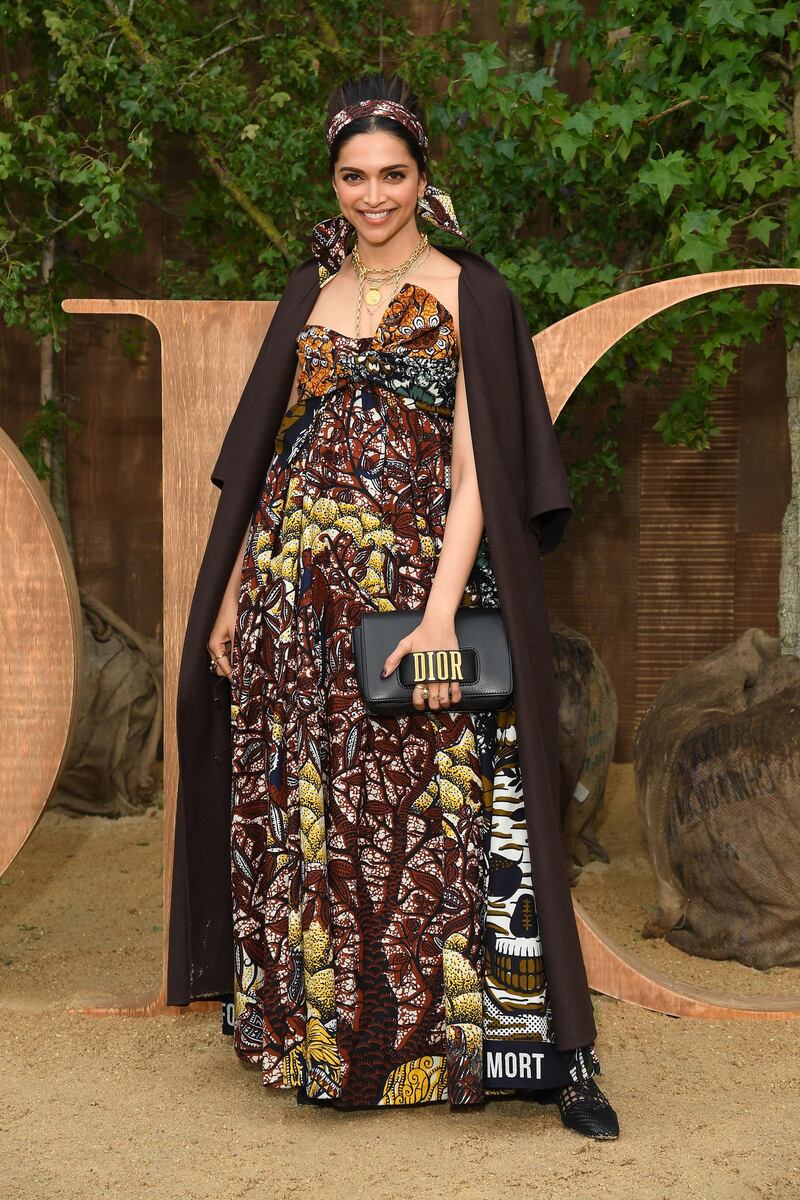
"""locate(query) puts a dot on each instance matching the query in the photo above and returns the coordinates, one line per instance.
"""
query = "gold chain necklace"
(377, 276)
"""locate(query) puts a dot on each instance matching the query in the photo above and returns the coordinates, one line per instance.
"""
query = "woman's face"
(377, 184)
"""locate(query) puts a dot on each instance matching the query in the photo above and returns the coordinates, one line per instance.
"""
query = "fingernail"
(383, 672)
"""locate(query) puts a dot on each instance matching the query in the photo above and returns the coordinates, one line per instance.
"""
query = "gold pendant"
(373, 296)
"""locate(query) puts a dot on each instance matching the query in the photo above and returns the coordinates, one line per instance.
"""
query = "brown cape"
(526, 505)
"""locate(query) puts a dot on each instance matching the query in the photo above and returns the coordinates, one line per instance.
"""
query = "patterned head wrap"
(329, 238)
(377, 108)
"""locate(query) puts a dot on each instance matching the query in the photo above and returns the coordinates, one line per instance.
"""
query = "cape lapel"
(200, 948)
(249, 441)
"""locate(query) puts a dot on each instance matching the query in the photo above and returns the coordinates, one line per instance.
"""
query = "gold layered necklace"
(377, 277)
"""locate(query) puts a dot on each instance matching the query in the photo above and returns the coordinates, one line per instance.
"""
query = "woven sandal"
(585, 1109)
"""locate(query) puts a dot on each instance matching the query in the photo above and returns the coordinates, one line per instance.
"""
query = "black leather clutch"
(481, 665)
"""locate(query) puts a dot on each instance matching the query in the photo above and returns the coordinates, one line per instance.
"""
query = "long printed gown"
(385, 927)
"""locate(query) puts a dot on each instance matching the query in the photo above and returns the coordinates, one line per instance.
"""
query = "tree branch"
(326, 29)
(84, 262)
(672, 108)
(551, 70)
(213, 159)
(237, 192)
(779, 61)
(259, 37)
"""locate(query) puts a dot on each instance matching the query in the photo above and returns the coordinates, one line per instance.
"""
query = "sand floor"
(160, 1107)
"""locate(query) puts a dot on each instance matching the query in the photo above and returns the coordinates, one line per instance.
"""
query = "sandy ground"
(160, 1107)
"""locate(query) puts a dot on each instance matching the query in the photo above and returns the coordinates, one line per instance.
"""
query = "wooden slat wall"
(764, 483)
(757, 570)
(592, 578)
(686, 556)
(115, 465)
(687, 540)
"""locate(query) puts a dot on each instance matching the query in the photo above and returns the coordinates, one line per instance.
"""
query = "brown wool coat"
(526, 505)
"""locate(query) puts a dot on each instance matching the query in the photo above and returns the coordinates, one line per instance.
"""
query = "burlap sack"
(587, 717)
(717, 761)
(111, 760)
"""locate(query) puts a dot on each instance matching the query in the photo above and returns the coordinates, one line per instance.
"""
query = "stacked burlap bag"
(587, 720)
(717, 762)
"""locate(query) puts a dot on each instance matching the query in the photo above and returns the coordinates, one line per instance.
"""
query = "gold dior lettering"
(437, 664)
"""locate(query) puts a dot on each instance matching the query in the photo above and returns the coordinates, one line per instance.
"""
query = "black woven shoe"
(585, 1109)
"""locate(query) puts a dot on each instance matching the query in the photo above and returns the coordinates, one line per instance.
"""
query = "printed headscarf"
(330, 238)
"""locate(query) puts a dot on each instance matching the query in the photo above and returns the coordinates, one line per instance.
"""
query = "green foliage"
(680, 161)
(45, 429)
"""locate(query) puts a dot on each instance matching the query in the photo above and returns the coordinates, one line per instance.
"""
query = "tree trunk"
(54, 452)
(789, 588)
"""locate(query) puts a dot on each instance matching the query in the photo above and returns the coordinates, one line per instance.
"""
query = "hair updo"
(377, 87)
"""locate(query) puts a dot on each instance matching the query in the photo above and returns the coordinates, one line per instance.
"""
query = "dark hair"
(377, 87)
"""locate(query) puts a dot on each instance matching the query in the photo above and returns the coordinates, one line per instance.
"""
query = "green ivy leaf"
(761, 228)
(665, 174)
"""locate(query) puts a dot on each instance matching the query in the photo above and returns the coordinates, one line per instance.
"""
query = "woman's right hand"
(220, 642)
(220, 638)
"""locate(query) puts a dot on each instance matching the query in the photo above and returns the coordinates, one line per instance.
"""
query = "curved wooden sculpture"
(208, 348)
(42, 660)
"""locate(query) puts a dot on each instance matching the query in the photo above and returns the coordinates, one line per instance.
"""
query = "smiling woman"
(387, 947)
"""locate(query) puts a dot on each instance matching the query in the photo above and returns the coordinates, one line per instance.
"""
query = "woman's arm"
(464, 523)
(221, 635)
(462, 535)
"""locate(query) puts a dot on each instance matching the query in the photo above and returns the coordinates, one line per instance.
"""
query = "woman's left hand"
(431, 634)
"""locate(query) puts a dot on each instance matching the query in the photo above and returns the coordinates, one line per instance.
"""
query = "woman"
(385, 933)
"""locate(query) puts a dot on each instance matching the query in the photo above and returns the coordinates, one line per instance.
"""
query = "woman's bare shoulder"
(439, 275)
(441, 266)
(444, 271)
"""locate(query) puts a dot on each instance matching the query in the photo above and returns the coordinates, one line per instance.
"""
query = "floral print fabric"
(384, 916)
